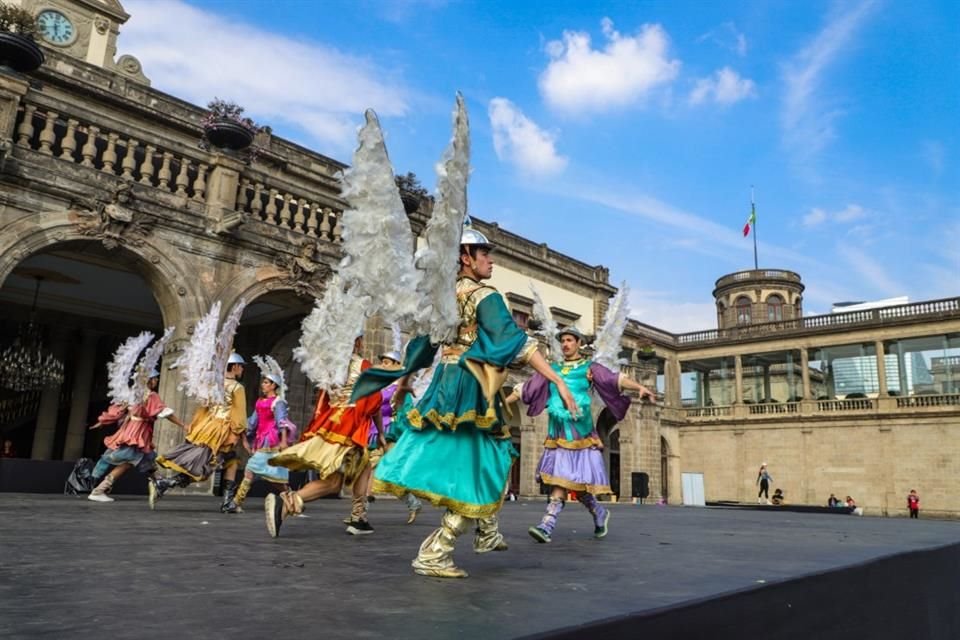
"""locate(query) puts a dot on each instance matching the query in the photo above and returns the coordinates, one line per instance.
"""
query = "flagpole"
(753, 212)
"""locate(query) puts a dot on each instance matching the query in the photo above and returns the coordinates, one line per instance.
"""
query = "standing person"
(8, 451)
(764, 479)
(913, 503)
(457, 452)
(394, 421)
(132, 445)
(269, 431)
(334, 445)
(572, 459)
(212, 437)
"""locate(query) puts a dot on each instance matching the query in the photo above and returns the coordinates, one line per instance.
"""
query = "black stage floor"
(70, 568)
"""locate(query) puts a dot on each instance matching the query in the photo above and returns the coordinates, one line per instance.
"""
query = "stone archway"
(90, 299)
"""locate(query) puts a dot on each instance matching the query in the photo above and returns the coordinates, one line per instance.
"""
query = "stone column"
(766, 382)
(49, 408)
(738, 375)
(881, 369)
(167, 435)
(671, 381)
(533, 432)
(805, 372)
(12, 90)
(221, 197)
(80, 395)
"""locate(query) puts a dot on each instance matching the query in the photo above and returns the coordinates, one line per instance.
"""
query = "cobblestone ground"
(70, 568)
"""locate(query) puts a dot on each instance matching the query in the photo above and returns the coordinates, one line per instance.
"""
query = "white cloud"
(871, 271)
(198, 55)
(806, 119)
(517, 139)
(849, 213)
(662, 310)
(723, 87)
(580, 78)
(727, 36)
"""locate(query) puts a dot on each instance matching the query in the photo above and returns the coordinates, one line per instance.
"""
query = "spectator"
(7, 450)
(777, 497)
(855, 510)
(913, 503)
(833, 501)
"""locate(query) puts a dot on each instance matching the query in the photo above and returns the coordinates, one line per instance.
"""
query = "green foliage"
(18, 20)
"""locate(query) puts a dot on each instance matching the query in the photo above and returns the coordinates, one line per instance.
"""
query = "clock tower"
(85, 29)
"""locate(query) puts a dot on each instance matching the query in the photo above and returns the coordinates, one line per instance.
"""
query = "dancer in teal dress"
(572, 457)
(457, 452)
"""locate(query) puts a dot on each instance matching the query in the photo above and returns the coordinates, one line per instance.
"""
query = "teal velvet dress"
(456, 452)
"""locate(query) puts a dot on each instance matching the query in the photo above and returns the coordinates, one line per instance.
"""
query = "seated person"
(833, 501)
(850, 502)
(777, 498)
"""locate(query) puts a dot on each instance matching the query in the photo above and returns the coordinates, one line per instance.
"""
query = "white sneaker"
(99, 497)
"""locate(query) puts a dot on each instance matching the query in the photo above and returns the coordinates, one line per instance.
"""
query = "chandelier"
(26, 365)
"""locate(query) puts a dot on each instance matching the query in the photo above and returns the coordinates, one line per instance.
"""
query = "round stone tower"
(758, 296)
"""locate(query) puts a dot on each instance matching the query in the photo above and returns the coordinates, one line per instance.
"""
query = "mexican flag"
(752, 220)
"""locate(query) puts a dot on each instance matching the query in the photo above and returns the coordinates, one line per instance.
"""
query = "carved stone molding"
(114, 223)
(304, 273)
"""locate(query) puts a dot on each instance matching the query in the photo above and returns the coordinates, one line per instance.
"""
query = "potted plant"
(411, 191)
(646, 351)
(18, 29)
(225, 126)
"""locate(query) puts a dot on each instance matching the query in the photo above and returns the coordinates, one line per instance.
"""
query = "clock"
(56, 28)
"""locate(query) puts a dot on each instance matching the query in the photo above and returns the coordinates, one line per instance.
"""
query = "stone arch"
(170, 283)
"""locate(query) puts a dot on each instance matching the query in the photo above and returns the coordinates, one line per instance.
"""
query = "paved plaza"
(77, 569)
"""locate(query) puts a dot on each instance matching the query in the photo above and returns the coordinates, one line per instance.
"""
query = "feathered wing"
(437, 258)
(397, 337)
(549, 326)
(425, 377)
(121, 368)
(224, 347)
(377, 239)
(195, 363)
(328, 333)
(151, 357)
(608, 342)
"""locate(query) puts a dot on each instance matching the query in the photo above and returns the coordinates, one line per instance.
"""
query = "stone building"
(114, 221)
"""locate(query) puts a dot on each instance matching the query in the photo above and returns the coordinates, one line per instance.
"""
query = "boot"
(242, 491)
(100, 491)
(413, 506)
(601, 515)
(229, 492)
(543, 531)
(278, 506)
(488, 537)
(359, 525)
(436, 553)
(156, 487)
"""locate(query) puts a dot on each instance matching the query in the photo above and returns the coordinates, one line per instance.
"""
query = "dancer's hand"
(95, 426)
(568, 400)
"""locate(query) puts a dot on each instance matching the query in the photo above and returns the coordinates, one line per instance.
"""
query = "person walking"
(764, 479)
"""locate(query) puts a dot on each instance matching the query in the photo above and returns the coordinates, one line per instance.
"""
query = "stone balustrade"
(297, 213)
(88, 144)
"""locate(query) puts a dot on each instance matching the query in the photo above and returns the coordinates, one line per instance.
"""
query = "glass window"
(774, 308)
(743, 310)
(922, 366)
(521, 318)
(707, 383)
(772, 377)
(844, 371)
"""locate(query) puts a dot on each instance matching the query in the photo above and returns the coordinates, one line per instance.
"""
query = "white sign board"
(693, 489)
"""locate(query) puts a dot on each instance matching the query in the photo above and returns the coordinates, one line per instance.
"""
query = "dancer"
(211, 373)
(572, 459)
(132, 445)
(395, 423)
(334, 445)
(458, 453)
(268, 429)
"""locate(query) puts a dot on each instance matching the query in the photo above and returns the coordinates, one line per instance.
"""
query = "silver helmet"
(472, 236)
(236, 358)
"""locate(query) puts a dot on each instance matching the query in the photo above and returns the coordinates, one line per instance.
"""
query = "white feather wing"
(549, 326)
(149, 362)
(608, 341)
(195, 363)
(326, 341)
(121, 368)
(377, 239)
(437, 258)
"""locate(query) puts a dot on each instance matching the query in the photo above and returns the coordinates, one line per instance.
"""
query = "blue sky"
(628, 134)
